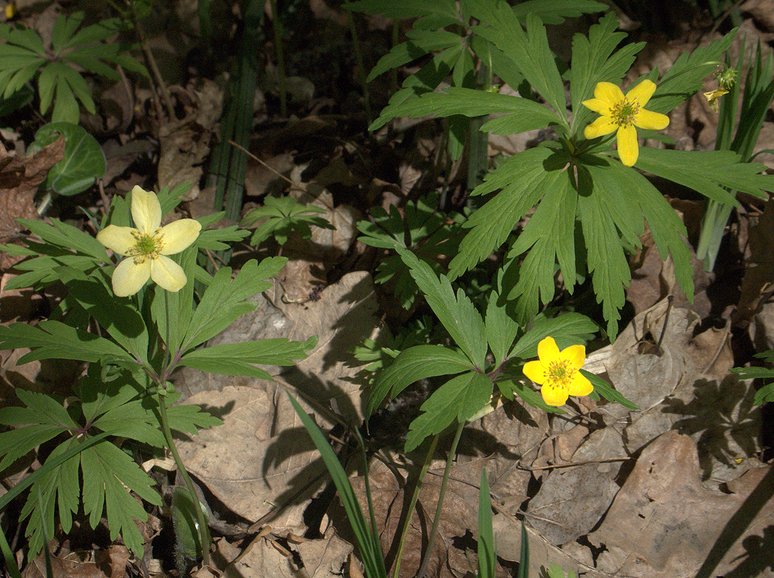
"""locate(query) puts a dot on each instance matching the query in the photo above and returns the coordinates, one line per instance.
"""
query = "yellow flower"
(146, 247)
(620, 114)
(558, 372)
(713, 97)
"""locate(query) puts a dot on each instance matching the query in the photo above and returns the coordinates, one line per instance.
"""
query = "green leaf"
(456, 400)
(55, 340)
(501, 329)
(710, 173)
(567, 329)
(457, 315)
(411, 365)
(226, 299)
(65, 105)
(66, 236)
(64, 28)
(421, 42)
(281, 216)
(487, 554)
(556, 11)
(521, 178)
(606, 390)
(241, 358)
(172, 312)
(109, 475)
(405, 8)
(83, 161)
(593, 61)
(528, 394)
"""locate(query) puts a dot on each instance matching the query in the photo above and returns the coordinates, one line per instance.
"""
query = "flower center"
(559, 374)
(146, 246)
(624, 112)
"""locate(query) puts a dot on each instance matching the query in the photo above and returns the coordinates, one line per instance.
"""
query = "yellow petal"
(534, 371)
(576, 355)
(651, 120)
(168, 274)
(597, 105)
(608, 92)
(146, 210)
(178, 235)
(600, 127)
(553, 395)
(547, 350)
(642, 92)
(117, 239)
(129, 277)
(580, 385)
(628, 149)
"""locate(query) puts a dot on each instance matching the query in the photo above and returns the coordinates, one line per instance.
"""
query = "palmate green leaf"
(42, 418)
(420, 43)
(218, 239)
(521, 178)
(686, 76)
(528, 49)
(172, 312)
(83, 162)
(594, 60)
(567, 329)
(456, 400)
(241, 358)
(280, 216)
(710, 173)
(42, 270)
(510, 388)
(64, 28)
(109, 477)
(55, 340)
(457, 314)
(405, 8)
(25, 38)
(522, 114)
(226, 299)
(501, 329)
(67, 237)
(556, 11)
(546, 239)
(411, 365)
(56, 491)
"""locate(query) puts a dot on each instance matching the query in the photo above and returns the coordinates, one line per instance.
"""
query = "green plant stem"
(412, 506)
(441, 494)
(201, 520)
(283, 91)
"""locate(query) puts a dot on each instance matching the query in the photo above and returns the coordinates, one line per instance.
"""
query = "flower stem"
(201, 521)
(441, 494)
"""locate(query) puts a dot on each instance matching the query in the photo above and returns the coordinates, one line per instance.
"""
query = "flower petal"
(129, 277)
(547, 350)
(642, 92)
(534, 371)
(117, 239)
(597, 105)
(628, 149)
(600, 127)
(608, 92)
(651, 120)
(553, 395)
(168, 274)
(146, 210)
(576, 355)
(178, 235)
(580, 385)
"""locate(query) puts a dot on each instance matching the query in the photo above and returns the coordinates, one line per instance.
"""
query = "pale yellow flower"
(621, 113)
(713, 97)
(558, 372)
(147, 246)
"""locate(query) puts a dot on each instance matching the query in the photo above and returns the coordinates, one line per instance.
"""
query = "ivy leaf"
(83, 162)
(456, 314)
(411, 365)
(456, 400)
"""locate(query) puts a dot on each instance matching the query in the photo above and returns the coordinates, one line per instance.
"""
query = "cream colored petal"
(129, 277)
(580, 385)
(553, 395)
(168, 274)
(600, 127)
(179, 235)
(146, 210)
(597, 105)
(535, 371)
(547, 350)
(608, 92)
(576, 355)
(117, 239)
(628, 149)
(651, 120)
(642, 92)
